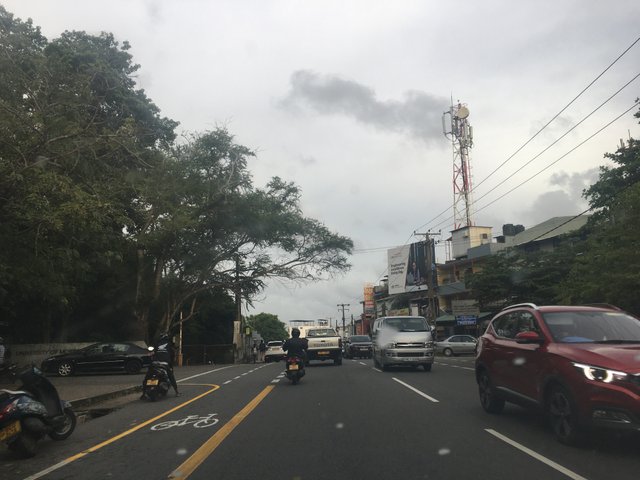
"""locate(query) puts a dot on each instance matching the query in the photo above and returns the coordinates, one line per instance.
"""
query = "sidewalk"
(89, 391)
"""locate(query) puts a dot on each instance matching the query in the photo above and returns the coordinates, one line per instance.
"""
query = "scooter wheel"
(66, 428)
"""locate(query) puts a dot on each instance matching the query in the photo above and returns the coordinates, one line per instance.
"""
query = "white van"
(402, 341)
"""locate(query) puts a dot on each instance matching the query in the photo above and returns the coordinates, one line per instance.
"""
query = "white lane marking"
(377, 369)
(362, 363)
(415, 390)
(455, 366)
(235, 378)
(228, 381)
(536, 455)
(275, 380)
(243, 374)
(204, 373)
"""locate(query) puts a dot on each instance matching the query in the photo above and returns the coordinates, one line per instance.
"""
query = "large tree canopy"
(268, 326)
(110, 227)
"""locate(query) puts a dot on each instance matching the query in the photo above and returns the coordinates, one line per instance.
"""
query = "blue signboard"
(466, 319)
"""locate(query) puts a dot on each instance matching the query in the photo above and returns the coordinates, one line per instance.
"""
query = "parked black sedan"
(99, 357)
(358, 346)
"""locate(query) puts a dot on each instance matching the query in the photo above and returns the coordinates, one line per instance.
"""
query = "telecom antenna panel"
(456, 127)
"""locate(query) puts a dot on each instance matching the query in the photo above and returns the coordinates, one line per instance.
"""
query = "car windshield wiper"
(614, 342)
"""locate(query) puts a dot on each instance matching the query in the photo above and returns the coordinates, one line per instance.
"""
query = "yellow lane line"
(77, 456)
(207, 448)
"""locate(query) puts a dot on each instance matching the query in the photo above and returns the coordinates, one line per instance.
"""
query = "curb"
(83, 403)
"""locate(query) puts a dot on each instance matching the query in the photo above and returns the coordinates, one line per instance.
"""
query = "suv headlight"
(429, 344)
(390, 345)
(599, 374)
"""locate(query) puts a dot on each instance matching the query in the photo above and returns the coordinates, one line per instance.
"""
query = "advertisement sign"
(465, 307)
(369, 307)
(407, 268)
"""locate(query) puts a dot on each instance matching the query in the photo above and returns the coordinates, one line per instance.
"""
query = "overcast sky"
(346, 98)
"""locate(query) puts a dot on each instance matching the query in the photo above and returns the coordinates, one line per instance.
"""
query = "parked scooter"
(33, 411)
(156, 381)
(294, 369)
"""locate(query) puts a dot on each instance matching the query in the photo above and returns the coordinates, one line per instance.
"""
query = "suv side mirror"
(529, 337)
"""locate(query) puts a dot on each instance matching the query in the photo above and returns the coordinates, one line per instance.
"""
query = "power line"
(548, 166)
(541, 129)
(562, 136)
(559, 113)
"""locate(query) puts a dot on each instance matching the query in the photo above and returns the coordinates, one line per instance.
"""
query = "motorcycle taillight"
(8, 408)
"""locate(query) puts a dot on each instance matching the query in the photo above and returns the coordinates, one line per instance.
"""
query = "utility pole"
(342, 306)
(430, 271)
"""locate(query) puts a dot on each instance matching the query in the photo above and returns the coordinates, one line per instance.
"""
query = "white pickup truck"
(324, 344)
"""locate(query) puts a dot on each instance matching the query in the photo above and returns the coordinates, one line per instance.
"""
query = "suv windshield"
(593, 327)
(407, 324)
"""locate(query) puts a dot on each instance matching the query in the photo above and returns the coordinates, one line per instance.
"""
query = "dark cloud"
(418, 114)
(557, 203)
(576, 182)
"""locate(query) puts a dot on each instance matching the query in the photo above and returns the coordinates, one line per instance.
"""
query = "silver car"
(457, 345)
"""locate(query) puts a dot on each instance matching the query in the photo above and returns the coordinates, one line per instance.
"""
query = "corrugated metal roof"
(550, 228)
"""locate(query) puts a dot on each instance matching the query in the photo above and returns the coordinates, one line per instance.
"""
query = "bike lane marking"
(86, 452)
(207, 448)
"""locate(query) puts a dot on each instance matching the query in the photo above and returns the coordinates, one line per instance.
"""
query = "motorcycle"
(33, 411)
(156, 381)
(294, 369)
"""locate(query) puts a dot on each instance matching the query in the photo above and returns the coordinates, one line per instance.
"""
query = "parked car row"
(99, 357)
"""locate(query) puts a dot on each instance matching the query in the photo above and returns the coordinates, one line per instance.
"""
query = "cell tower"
(461, 135)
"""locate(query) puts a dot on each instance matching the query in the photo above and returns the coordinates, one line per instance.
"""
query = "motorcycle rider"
(296, 346)
(164, 351)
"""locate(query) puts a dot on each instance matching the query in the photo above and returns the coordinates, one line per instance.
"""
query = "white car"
(274, 351)
(456, 345)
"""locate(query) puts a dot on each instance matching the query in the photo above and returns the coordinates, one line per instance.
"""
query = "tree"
(99, 203)
(514, 276)
(268, 326)
(606, 269)
(204, 225)
(75, 136)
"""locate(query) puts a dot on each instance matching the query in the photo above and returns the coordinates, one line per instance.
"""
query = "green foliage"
(607, 269)
(515, 276)
(268, 326)
(110, 228)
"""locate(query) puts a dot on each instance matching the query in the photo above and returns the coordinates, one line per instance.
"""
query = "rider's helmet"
(295, 333)
(164, 338)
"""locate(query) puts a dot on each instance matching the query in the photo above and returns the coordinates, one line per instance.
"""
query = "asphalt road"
(340, 422)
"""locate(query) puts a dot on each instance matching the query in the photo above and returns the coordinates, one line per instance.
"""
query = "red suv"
(580, 365)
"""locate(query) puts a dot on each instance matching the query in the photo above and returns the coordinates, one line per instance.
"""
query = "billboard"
(369, 307)
(407, 268)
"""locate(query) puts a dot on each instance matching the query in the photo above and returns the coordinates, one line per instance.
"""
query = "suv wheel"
(563, 414)
(488, 398)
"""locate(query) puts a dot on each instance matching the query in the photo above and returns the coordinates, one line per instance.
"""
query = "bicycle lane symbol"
(195, 420)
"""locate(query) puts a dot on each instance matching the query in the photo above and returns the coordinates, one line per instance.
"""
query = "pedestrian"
(262, 348)
(254, 352)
